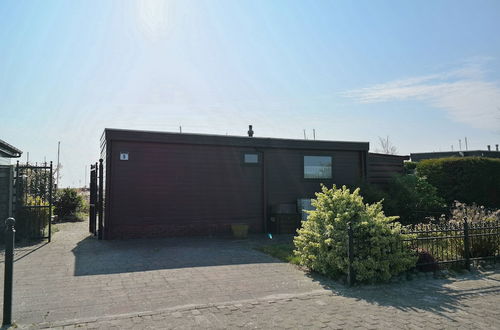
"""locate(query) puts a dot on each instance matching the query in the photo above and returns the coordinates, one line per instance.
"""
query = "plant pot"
(240, 230)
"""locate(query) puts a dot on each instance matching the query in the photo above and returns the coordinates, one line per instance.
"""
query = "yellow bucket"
(240, 230)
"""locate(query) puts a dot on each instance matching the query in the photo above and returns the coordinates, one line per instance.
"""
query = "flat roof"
(230, 140)
(452, 152)
(404, 157)
(9, 151)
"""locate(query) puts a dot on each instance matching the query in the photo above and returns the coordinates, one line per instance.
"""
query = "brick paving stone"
(469, 305)
(77, 271)
(76, 282)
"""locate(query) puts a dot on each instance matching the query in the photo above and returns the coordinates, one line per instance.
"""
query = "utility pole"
(466, 147)
(460, 144)
(57, 168)
(85, 182)
(305, 138)
(27, 157)
(314, 134)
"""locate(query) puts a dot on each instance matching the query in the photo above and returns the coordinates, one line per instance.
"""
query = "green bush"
(373, 193)
(469, 179)
(409, 167)
(67, 203)
(413, 199)
(321, 243)
(410, 197)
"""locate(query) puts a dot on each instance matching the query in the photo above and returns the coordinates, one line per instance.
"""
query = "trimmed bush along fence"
(457, 244)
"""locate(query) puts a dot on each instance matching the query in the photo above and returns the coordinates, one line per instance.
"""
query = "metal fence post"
(466, 244)
(51, 201)
(10, 233)
(350, 255)
(93, 199)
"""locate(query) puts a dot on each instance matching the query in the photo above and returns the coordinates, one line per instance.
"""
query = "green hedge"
(408, 196)
(469, 179)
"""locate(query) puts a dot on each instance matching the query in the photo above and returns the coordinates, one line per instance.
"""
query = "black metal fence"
(455, 243)
(33, 200)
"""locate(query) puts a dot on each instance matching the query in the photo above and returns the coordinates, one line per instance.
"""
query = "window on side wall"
(251, 158)
(317, 167)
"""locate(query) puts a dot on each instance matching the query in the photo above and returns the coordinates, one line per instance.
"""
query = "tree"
(386, 146)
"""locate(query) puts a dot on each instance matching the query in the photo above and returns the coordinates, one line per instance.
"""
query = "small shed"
(7, 152)
(172, 184)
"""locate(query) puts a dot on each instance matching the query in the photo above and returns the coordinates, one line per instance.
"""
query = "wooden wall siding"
(381, 168)
(181, 184)
(170, 189)
(285, 173)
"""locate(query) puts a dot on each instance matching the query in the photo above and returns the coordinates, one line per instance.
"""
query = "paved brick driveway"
(77, 277)
(78, 282)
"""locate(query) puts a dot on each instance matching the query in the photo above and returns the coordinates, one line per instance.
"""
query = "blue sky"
(424, 73)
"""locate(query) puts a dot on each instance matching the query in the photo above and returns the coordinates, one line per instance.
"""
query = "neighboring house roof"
(415, 157)
(388, 156)
(9, 151)
(224, 140)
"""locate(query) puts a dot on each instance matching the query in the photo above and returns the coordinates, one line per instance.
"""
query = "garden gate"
(96, 199)
(33, 200)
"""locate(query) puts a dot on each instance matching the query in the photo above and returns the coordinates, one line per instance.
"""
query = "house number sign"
(123, 155)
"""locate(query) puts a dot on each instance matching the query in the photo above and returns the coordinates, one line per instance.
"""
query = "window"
(317, 167)
(251, 158)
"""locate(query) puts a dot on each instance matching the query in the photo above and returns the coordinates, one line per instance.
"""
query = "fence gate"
(96, 200)
(33, 201)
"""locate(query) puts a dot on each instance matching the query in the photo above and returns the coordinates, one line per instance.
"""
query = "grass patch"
(283, 252)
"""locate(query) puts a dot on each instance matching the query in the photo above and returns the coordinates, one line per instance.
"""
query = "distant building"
(7, 152)
(416, 157)
(6, 177)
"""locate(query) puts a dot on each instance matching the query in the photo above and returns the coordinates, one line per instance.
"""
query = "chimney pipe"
(489, 147)
(250, 131)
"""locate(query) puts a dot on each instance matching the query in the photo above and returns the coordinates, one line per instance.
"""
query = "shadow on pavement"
(435, 295)
(23, 249)
(93, 257)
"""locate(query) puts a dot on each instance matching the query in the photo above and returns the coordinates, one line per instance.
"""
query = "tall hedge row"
(469, 179)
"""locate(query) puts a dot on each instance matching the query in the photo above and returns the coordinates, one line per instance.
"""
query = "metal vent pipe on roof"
(250, 131)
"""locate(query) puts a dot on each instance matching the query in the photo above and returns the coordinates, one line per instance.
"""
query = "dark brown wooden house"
(171, 184)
